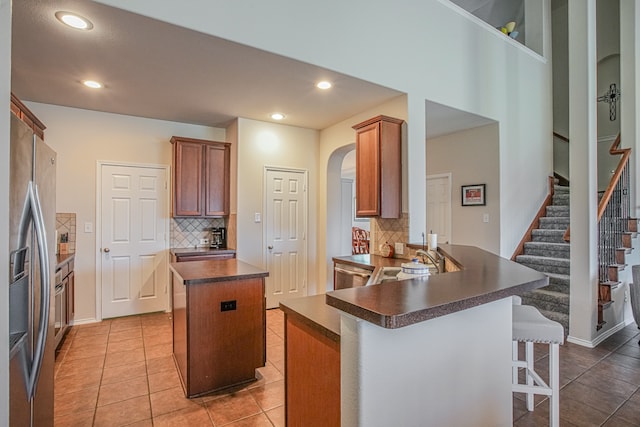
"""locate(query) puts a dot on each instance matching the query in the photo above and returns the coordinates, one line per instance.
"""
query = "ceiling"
(162, 71)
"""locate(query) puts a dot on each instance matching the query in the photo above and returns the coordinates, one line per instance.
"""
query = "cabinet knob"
(269, 247)
(106, 250)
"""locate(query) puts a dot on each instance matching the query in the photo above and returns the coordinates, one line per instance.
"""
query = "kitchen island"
(219, 323)
(434, 350)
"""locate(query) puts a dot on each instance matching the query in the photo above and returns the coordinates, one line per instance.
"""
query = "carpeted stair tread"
(548, 249)
(558, 212)
(544, 299)
(561, 199)
(551, 236)
(554, 223)
(549, 253)
(545, 264)
(559, 279)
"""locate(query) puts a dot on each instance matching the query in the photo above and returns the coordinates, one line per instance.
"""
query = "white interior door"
(439, 206)
(286, 231)
(133, 254)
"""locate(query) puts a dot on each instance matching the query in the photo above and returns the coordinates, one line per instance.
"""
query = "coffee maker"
(218, 238)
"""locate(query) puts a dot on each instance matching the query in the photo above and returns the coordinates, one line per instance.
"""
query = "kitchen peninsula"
(219, 323)
(434, 350)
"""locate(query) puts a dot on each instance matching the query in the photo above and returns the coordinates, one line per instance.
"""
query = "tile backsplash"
(66, 223)
(187, 232)
(389, 230)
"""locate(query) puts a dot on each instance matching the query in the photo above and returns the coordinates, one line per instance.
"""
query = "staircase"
(548, 253)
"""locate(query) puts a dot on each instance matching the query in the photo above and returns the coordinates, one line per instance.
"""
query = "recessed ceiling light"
(323, 85)
(92, 84)
(277, 116)
(74, 21)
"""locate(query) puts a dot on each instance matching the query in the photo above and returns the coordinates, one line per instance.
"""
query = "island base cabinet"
(312, 366)
(218, 333)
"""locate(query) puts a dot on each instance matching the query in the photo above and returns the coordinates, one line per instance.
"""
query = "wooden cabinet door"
(379, 167)
(216, 179)
(187, 185)
(368, 170)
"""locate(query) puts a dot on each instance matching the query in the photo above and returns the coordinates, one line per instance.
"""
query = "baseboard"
(600, 338)
(77, 322)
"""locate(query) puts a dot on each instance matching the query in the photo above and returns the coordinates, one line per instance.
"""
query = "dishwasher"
(349, 276)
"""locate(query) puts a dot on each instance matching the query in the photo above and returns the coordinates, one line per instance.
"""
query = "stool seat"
(530, 325)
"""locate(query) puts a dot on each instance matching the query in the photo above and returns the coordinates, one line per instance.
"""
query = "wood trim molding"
(536, 221)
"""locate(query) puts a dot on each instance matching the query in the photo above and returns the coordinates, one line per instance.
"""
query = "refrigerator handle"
(45, 289)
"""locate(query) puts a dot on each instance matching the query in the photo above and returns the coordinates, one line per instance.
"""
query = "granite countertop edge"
(62, 259)
(485, 278)
(200, 251)
(211, 271)
(315, 313)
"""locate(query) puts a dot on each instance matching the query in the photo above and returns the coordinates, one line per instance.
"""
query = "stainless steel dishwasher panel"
(349, 276)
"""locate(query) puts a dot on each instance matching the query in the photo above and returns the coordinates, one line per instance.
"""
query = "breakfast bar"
(434, 350)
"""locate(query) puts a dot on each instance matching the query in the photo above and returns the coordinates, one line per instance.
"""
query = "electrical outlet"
(204, 242)
(626, 296)
(485, 217)
(228, 305)
(399, 248)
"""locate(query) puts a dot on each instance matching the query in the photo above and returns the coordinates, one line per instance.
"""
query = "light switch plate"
(257, 217)
(399, 248)
(485, 217)
(88, 227)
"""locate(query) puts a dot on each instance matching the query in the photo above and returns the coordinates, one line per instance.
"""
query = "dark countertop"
(314, 312)
(62, 259)
(484, 278)
(200, 251)
(223, 270)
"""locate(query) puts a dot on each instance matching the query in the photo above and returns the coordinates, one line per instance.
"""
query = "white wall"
(83, 137)
(5, 90)
(263, 144)
(410, 47)
(472, 157)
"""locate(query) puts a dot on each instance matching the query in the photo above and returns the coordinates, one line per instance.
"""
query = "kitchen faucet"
(437, 263)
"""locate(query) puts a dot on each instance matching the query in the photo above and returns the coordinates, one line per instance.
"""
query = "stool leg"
(530, 360)
(554, 383)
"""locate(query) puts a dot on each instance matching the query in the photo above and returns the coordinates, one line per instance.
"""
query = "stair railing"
(613, 212)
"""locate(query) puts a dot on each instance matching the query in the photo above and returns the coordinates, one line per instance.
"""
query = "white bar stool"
(530, 326)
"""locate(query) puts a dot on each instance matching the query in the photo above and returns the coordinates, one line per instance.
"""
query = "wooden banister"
(614, 150)
(561, 137)
(602, 205)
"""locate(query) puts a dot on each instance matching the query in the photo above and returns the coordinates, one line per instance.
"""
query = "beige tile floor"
(120, 372)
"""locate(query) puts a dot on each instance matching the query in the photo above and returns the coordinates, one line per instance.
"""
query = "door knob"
(106, 250)
(269, 247)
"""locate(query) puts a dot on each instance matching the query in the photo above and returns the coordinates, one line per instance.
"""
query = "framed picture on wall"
(474, 195)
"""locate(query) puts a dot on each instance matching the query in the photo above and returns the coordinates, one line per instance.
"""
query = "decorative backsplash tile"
(66, 223)
(389, 230)
(187, 232)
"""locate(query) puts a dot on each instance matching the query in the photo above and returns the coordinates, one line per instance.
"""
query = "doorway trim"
(98, 225)
(449, 177)
(305, 172)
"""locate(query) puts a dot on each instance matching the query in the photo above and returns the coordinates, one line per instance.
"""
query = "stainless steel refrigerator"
(32, 267)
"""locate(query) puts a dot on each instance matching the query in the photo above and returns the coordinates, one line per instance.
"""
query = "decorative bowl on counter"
(413, 269)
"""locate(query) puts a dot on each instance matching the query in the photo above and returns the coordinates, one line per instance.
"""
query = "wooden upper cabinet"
(201, 171)
(24, 114)
(379, 167)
